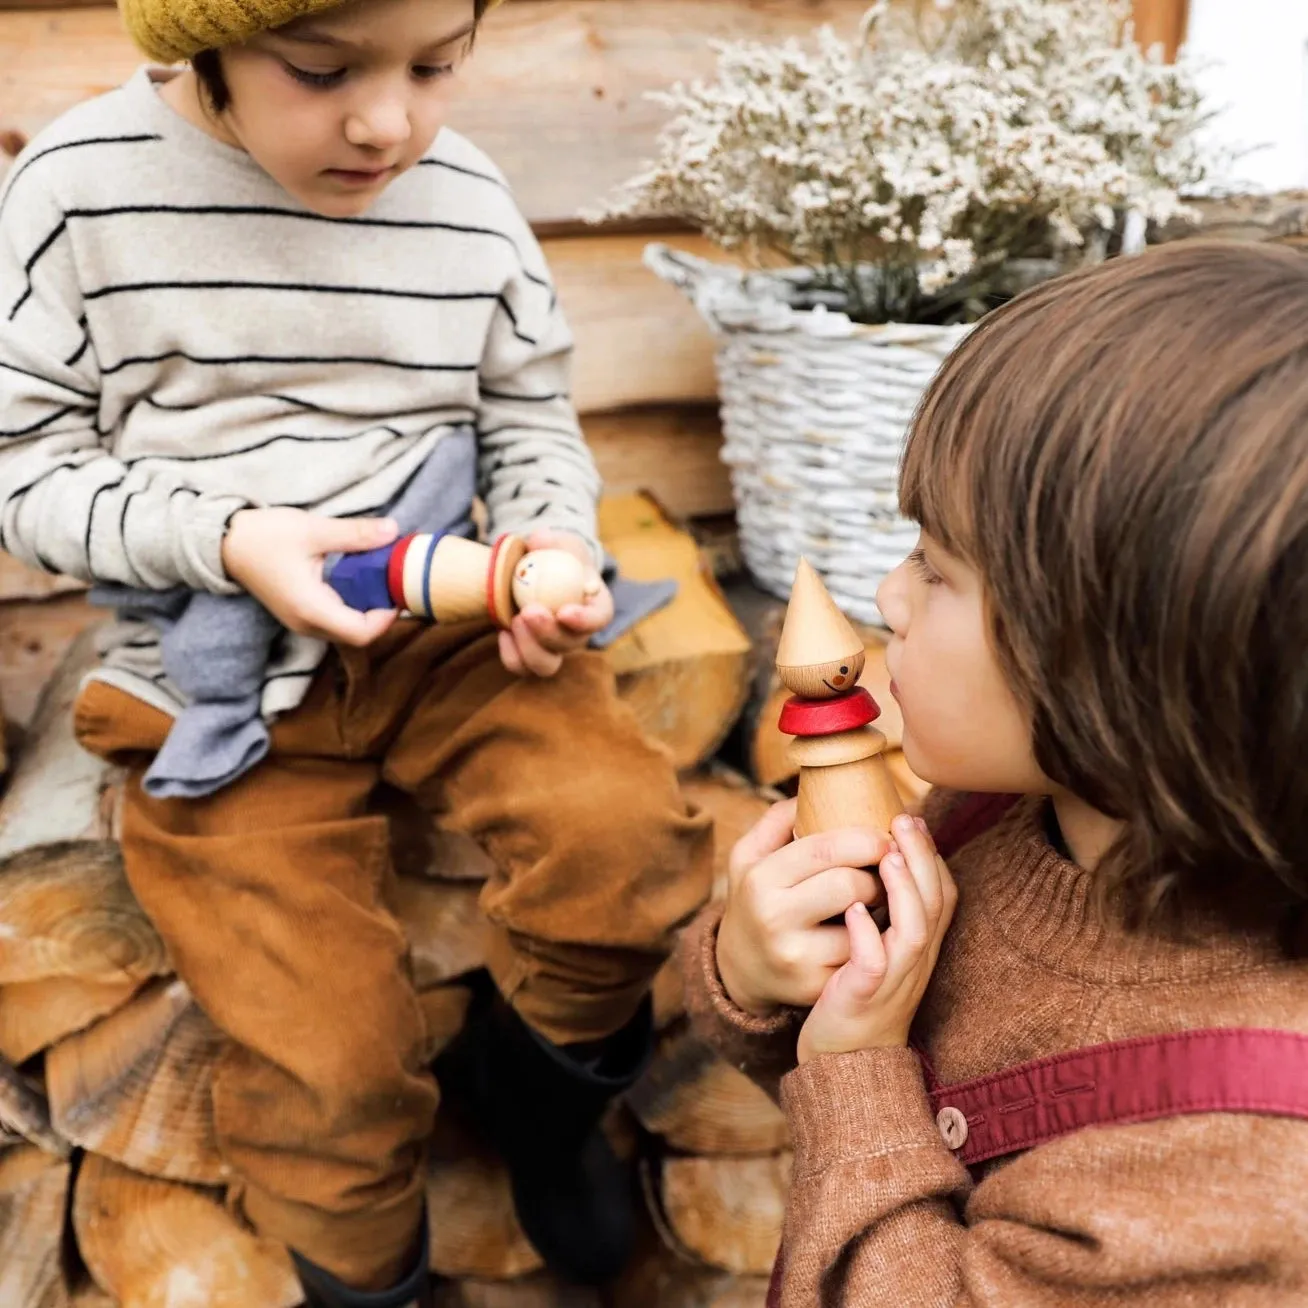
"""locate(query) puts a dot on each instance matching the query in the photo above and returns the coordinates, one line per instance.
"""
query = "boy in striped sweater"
(252, 312)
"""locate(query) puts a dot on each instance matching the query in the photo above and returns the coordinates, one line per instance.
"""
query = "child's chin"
(948, 775)
(329, 203)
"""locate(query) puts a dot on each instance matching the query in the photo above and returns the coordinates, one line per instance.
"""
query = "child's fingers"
(909, 935)
(825, 949)
(323, 613)
(542, 624)
(552, 633)
(592, 616)
(774, 830)
(846, 847)
(868, 963)
(509, 655)
(377, 622)
(348, 535)
(537, 660)
(832, 891)
(920, 855)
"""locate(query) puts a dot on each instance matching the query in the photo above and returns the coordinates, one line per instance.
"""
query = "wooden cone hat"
(816, 635)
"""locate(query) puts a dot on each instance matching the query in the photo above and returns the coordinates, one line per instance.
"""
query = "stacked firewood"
(111, 1186)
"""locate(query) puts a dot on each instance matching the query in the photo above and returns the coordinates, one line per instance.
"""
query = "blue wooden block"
(360, 579)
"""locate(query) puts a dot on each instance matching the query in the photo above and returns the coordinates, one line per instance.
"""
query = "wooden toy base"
(844, 782)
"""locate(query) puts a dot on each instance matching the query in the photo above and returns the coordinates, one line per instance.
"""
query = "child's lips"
(359, 176)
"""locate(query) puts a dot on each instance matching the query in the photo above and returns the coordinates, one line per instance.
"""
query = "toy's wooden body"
(843, 777)
(452, 579)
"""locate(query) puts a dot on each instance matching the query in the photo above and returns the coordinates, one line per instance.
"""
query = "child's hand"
(537, 639)
(277, 555)
(773, 946)
(871, 1001)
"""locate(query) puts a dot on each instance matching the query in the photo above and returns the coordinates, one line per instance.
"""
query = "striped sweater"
(180, 339)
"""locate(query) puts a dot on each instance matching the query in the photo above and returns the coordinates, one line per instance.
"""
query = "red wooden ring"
(825, 717)
(395, 570)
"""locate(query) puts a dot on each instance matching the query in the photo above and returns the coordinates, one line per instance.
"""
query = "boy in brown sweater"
(1106, 616)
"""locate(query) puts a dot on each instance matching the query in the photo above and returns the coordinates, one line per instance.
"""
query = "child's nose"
(382, 124)
(892, 600)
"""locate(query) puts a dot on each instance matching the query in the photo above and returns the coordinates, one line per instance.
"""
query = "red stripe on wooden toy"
(825, 717)
(395, 571)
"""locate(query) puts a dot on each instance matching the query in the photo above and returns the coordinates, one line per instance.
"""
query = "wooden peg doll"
(452, 579)
(843, 777)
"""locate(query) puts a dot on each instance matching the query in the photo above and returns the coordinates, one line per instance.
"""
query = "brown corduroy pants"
(272, 897)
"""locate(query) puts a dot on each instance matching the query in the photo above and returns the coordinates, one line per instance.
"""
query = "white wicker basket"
(815, 409)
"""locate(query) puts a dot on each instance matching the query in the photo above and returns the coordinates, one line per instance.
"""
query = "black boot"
(323, 1290)
(539, 1106)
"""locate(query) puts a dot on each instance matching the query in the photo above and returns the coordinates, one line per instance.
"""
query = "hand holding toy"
(451, 579)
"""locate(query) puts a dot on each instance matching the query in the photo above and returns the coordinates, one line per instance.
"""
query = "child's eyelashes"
(920, 564)
(325, 81)
(432, 72)
(307, 78)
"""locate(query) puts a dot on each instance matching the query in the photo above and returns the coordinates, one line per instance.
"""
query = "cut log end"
(700, 1104)
(150, 1243)
(33, 1196)
(137, 1086)
(727, 1212)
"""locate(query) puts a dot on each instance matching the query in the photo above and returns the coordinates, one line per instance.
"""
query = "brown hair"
(1123, 455)
(208, 68)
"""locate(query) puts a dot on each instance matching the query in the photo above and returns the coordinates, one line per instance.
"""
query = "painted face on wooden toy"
(825, 680)
(820, 655)
(552, 578)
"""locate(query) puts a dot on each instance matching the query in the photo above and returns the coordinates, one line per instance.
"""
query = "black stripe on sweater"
(134, 139)
(31, 263)
(459, 168)
(11, 500)
(290, 675)
(270, 211)
(263, 445)
(85, 345)
(527, 399)
(37, 426)
(311, 288)
(316, 288)
(90, 517)
(228, 360)
(36, 376)
(446, 411)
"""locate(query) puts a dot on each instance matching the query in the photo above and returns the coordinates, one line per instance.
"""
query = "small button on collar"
(952, 1126)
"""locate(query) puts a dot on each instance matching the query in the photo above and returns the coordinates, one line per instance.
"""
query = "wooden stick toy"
(843, 778)
(452, 579)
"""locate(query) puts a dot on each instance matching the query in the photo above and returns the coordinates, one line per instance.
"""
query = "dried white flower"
(1026, 129)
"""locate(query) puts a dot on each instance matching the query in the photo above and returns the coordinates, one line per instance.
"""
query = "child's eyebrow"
(312, 36)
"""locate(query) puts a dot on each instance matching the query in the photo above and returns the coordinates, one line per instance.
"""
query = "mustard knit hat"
(169, 31)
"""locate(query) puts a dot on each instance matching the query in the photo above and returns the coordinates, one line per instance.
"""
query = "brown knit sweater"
(1202, 1210)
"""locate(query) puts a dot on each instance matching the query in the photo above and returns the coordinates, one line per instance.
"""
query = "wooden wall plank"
(639, 340)
(672, 451)
(554, 93)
